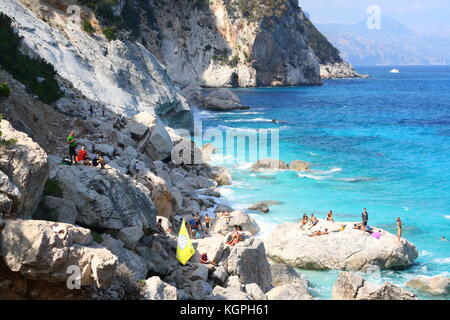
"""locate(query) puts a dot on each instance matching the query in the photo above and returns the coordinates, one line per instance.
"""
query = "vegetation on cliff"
(133, 12)
(5, 91)
(255, 10)
(323, 49)
(35, 73)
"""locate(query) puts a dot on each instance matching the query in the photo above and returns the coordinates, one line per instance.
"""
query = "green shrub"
(35, 73)
(52, 188)
(5, 91)
(110, 33)
(234, 62)
(258, 9)
(87, 26)
(97, 237)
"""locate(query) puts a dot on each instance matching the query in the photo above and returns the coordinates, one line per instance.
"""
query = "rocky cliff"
(120, 75)
(228, 43)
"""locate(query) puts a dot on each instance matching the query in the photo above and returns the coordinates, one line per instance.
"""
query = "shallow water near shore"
(381, 143)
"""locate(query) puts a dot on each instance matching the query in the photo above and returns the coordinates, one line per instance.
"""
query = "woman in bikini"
(304, 220)
(330, 216)
(399, 228)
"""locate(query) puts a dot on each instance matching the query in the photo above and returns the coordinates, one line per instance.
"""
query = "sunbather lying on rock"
(319, 233)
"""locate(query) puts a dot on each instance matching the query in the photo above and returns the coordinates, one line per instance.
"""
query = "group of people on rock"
(312, 221)
(82, 155)
(196, 225)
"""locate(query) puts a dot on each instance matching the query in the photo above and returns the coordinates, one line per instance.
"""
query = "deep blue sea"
(381, 143)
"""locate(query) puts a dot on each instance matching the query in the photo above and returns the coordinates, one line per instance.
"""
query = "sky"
(420, 15)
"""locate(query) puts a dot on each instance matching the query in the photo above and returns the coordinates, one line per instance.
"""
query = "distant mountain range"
(393, 44)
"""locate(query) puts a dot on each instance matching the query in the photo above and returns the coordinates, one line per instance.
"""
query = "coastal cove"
(381, 143)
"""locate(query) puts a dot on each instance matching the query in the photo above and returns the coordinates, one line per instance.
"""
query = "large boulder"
(438, 285)
(163, 196)
(156, 264)
(346, 250)
(137, 130)
(105, 199)
(43, 250)
(200, 289)
(221, 207)
(215, 104)
(158, 145)
(248, 261)
(255, 291)
(130, 236)
(298, 165)
(221, 175)
(289, 291)
(135, 263)
(10, 196)
(240, 218)
(213, 246)
(261, 206)
(224, 94)
(140, 125)
(26, 165)
(145, 118)
(156, 289)
(229, 293)
(269, 164)
(63, 210)
(350, 286)
(283, 274)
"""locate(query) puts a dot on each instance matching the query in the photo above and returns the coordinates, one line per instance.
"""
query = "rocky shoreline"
(60, 222)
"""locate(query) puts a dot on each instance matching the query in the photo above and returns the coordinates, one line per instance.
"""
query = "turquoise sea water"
(381, 143)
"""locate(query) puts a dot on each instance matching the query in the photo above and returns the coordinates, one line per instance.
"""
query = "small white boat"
(395, 71)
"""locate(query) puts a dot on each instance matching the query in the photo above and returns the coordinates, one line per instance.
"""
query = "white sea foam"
(311, 176)
(425, 253)
(244, 165)
(249, 120)
(448, 217)
(239, 113)
(442, 260)
(265, 227)
(320, 174)
(326, 172)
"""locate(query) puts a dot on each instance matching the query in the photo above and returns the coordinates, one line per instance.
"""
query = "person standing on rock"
(399, 229)
(207, 223)
(137, 168)
(198, 220)
(365, 218)
(304, 220)
(72, 142)
(330, 216)
(91, 110)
